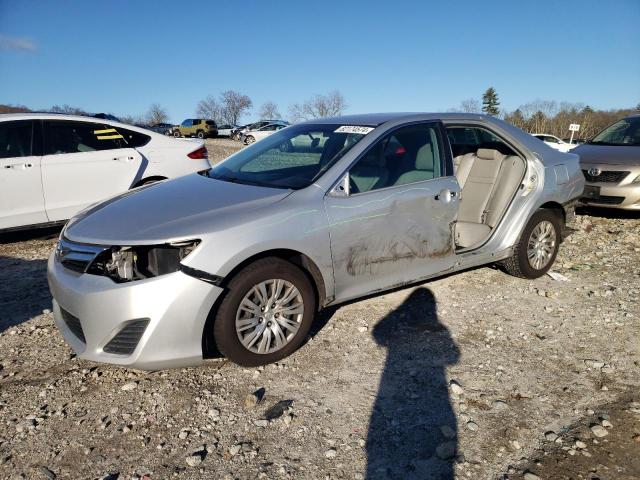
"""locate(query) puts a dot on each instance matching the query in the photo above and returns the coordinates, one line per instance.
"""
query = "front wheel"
(249, 140)
(176, 133)
(266, 313)
(537, 248)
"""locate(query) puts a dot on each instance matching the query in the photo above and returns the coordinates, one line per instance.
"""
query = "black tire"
(518, 264)
(224, 328)
(200, 134)
(176, 133)
(249, 140)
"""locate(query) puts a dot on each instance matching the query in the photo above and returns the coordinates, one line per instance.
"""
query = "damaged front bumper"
(148, 324)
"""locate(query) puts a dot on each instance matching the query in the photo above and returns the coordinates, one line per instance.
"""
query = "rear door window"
(16, 139)
(63, 136)
(465, 140)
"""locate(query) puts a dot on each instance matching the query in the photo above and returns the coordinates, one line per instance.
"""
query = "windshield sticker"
(353, 129)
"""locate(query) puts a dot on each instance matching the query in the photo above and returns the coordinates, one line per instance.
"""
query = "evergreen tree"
(490, 102)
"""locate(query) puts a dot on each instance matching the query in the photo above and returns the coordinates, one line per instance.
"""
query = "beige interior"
(488, 179)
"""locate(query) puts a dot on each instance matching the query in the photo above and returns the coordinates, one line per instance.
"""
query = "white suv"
(555, 142)
(52, 165)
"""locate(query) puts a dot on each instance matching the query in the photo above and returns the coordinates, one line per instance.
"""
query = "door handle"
(123, 159)
(19, 166)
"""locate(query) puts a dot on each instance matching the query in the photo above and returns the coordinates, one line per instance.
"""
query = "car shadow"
(24, 292)
(601, 212)
(412, 430)
(44, 233)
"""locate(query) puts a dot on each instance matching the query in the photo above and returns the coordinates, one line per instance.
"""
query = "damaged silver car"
(239, 258)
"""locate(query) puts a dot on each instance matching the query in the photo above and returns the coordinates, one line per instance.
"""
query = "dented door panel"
(391, 237)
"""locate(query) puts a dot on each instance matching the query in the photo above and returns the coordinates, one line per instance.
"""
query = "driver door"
(391, 217)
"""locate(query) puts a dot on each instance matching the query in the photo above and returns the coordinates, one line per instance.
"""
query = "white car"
(52, 166)
(225, 130)
(254, 135)
(555, 142)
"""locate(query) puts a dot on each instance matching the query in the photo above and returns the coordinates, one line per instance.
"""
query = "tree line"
(547, 116)
(538, 116)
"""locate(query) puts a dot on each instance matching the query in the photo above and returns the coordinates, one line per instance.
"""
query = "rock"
(127, 387)
(234, 450)
(606, 423)
(363, 329)
(446, 450)
(594, 363)
(183, 434)
(636, 438)
(551, 436)
(447, 432)
(455, 387)
(194, 460)
(473, 426)
(48, 473)
(530, 476)
(580, 445)
(278, 409)
(261, 423)
(253, 399)
(599, 431)
(500, 405)
(331, 453)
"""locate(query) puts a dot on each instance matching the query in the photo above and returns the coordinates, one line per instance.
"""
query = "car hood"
(608, 155)
(184, 208)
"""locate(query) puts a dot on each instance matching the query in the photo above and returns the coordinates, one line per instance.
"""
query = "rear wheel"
(537, 248)
(266, 313)
(176, 133)
(200, 134)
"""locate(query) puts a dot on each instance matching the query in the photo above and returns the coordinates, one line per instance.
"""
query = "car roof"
(376, 119)
(77, 118)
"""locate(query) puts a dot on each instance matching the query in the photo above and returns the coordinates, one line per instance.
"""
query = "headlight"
(126, 264)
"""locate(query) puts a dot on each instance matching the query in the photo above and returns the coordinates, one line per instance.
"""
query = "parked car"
(196, 127)
(554, 142)
(53, 165)
(611, 165)
(162, 128)
(254, 135)
(238, 133)
(226, 130)
(239, 258)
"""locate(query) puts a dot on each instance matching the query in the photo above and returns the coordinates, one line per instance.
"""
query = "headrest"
(489, 154)
(424, 157)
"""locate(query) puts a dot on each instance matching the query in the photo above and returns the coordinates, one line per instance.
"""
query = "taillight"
(199, 154)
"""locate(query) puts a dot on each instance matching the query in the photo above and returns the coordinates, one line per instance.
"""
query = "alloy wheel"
(541, 245)
(269, 316)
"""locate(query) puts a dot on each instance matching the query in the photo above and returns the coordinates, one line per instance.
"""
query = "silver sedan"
(239, 258)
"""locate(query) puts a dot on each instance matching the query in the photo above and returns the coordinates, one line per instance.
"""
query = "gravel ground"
(476, 375)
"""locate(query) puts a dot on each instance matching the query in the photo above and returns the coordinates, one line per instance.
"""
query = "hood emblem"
(594, 172)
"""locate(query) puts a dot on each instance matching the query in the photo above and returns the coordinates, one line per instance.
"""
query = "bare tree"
(68, 109)
(156, 114)
(319, 106)
(210, 108)
(269, 110)
(470, 105)
(234, 105)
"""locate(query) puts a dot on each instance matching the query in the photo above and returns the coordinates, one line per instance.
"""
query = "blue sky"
(397, 55)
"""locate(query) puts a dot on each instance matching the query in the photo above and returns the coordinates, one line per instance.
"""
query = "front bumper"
(176, 306)
(621, 194)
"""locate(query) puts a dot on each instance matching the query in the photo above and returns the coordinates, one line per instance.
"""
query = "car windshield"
(293, 157)
(624, 132)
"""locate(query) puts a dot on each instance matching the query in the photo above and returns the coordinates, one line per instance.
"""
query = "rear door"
(84, 163)
(395, 224)
(21, 198)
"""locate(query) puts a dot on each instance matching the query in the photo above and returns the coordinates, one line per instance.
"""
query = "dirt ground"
(477, 375)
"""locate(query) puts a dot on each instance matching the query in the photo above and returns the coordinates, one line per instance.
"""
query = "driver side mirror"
(342, 188)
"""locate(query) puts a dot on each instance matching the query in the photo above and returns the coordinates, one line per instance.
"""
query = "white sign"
(353, 129)
(574, 127)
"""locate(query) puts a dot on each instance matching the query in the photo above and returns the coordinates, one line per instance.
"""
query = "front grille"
(77, 256)
(608, 176)
(126, 341)
(605, 200)
(74, 324)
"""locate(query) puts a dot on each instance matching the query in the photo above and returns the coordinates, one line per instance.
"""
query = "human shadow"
(412, 430)
(24, 292)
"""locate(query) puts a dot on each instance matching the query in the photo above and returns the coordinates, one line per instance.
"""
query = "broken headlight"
(126, 264)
